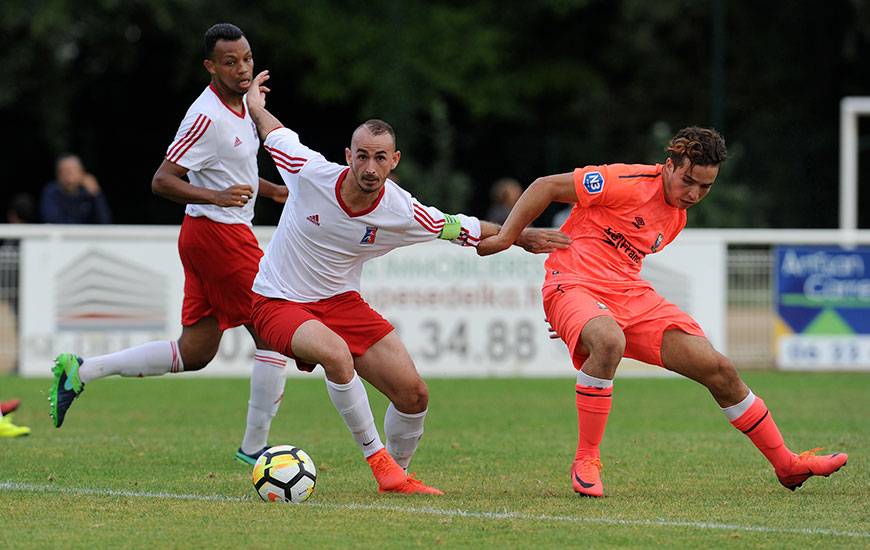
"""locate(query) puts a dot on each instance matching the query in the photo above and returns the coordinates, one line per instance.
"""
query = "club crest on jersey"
(369, 237)
(237, 142)
(658, 242)
(593, 182)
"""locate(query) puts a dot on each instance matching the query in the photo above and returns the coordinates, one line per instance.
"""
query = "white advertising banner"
(458, 314)
(91, 296)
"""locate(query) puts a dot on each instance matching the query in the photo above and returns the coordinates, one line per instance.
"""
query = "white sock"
(352, 403)
(736, 411)
(584, 379)
(151, 359)
(267, 389)
(403, 432)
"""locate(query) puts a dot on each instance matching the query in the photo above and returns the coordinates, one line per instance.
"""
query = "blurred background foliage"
(476, 91)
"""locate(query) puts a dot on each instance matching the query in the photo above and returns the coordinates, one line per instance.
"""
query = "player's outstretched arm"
(256, 96)
(542, 241)
(534, 200)
(531, 239)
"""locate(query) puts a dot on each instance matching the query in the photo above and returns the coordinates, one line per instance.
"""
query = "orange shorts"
(346, 314)
(641, 313)
(220, 262)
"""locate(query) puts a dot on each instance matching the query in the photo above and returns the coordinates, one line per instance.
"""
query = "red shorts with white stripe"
(220, 262)
(346, 314)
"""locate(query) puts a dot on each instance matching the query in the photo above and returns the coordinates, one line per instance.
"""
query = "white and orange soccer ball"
(285, 474)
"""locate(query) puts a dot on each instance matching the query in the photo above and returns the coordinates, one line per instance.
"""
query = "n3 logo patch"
(593, 182)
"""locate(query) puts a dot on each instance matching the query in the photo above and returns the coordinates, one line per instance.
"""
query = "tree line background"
(476, 91)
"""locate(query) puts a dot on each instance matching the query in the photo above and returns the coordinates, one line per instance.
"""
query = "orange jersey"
(621, 216)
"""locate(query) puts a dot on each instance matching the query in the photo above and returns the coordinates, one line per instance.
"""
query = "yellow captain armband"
(452, 228)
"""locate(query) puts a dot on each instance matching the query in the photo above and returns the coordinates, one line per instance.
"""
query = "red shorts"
(346, 314)
(641, 313)
(220, 262)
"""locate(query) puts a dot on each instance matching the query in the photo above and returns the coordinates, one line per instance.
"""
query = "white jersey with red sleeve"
(218, 146)
(320, 245)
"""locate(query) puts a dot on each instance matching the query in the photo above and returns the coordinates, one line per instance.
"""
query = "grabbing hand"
(542, 241)
(256, 95)
(234, 196)
(552, 332)
(492, 245)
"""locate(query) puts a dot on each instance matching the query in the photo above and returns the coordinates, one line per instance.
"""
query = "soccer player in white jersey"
(216, 148)
(307, 304)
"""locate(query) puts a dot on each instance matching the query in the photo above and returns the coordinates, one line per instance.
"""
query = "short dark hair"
(378, 127)
(220, 31)
(703, 146)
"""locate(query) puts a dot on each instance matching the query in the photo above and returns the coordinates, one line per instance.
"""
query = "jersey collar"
(233, 111)
(345, 207)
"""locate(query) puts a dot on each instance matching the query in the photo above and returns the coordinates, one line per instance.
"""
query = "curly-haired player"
(597, 302)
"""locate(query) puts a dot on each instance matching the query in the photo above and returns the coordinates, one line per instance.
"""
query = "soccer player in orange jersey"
(596, 301)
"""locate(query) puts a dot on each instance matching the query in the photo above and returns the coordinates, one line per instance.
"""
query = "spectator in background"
(20, 209)
(75, 197)
(502, 197)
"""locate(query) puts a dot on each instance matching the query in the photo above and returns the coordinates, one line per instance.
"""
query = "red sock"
(758, 425)
(593, 407)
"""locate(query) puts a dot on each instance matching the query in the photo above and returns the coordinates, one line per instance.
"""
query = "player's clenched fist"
(236, 195)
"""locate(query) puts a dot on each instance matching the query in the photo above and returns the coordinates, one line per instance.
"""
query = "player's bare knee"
(608, 349)
(195, 358)
(414, 399)
(337, 362)
(722, 378)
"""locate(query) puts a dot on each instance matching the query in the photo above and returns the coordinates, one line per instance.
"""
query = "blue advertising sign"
(822, 297)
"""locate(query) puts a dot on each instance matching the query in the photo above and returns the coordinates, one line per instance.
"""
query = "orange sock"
(593, 408)
(758, 425)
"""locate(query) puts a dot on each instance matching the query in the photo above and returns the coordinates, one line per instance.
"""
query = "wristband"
(452, 228)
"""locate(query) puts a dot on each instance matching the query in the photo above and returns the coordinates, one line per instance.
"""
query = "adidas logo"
(237, 142)
(314, 218)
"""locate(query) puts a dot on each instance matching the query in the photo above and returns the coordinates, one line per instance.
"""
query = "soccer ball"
(284, 473)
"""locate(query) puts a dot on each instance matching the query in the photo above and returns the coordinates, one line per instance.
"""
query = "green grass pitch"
(147, 463)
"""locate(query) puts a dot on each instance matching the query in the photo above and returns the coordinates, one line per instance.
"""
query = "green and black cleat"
(65, 387)
(249, 459)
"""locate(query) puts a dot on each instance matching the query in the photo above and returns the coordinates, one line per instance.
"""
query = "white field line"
(444, 512)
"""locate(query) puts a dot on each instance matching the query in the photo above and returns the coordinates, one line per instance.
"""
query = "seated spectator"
(20, 209)
(502, 196)
(75, 197)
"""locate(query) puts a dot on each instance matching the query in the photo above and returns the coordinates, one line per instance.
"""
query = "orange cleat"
(808, 464)
(7, 407)
(412, 485)
(393, 479)
(586, 476)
